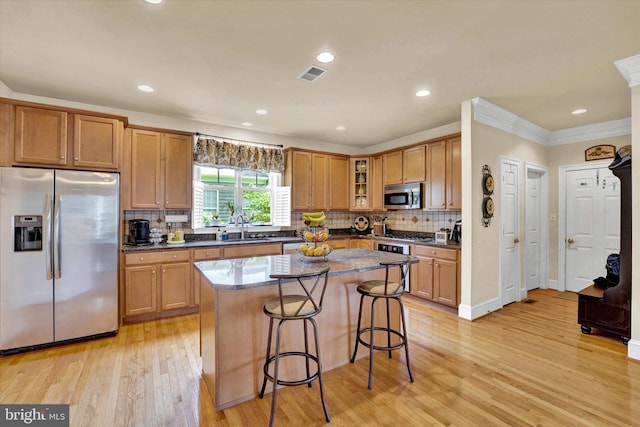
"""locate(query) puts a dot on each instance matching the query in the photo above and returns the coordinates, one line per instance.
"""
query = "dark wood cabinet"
(610, 310)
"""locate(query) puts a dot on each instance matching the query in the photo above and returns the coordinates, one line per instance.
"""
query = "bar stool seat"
(387, 290)
(301, 306)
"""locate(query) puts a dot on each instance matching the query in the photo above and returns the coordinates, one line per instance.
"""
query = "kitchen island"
(233, 327)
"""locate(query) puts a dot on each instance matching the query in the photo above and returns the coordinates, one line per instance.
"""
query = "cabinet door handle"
(76, 159)
(174, 257)
(61, 157)
(164, 270)
(153, 272)
(141, 258)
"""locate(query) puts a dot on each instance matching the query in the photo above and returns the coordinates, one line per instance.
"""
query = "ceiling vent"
(312, 73)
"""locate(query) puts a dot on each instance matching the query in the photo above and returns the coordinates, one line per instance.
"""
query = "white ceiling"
(218, 61)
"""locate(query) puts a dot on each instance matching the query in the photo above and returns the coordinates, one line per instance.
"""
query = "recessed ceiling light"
(423, 92)
(261, 112)
(579, 111)
(247, 124)
(154, 1)
(145, 88)
(340, 128)
(325, 57)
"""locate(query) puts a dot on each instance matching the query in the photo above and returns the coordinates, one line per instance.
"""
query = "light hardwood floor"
(525, 365)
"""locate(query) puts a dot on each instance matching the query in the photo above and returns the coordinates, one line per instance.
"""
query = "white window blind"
(282, 207)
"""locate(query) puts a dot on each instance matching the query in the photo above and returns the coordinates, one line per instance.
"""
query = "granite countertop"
(245, 273)
(281, 239)
(409, 240)
(210, 243)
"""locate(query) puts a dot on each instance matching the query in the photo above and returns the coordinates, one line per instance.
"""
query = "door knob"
(516, 240)
(570, 241)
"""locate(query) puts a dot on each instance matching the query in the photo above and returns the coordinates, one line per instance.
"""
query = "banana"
(317, 221)
(312, 216)
(314, 219)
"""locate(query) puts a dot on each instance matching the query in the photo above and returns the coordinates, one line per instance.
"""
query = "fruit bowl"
(314, 252)
(315, 235)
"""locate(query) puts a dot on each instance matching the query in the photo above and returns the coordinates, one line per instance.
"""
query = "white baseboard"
(634, 349)
(471, 313)
(552, 284)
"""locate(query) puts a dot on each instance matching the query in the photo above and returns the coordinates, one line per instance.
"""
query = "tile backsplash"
(408, 220)
(157, 219)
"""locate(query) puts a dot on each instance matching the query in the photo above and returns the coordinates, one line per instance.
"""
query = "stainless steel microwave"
(403, 196)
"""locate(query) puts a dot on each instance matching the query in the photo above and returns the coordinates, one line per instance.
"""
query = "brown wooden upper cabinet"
(392, 168)
(338, 183)
(454, 173)
(444, 175)
(377, 191)
(96, 142)
(318, 181)
(159, 165)
(404, 166)
(413, 164)
(57, 138)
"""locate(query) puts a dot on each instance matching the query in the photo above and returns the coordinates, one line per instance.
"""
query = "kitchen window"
(219, 194)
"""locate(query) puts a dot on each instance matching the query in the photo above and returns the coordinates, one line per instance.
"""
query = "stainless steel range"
(396, 248)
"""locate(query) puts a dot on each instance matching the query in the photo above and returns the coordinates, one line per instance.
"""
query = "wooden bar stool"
(386, 290)
(304, 305)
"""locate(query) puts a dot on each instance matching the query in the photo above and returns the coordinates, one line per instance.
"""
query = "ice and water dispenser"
(27, 233)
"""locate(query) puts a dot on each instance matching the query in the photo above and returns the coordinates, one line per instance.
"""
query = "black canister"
(138, 231)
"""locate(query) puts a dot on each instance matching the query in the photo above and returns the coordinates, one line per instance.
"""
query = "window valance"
(228, 153)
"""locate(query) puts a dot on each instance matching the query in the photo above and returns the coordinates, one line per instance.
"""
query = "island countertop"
(245, 273)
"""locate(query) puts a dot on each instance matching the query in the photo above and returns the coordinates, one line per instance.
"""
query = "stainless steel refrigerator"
(58, 256)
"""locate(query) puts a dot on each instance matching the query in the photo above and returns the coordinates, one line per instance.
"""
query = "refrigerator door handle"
(46, 235)
(56, 237)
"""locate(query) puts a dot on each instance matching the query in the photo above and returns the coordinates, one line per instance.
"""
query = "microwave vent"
(312, 73)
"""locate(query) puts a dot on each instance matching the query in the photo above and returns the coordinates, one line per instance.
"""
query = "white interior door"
(534, 237)
(592, 225)
(510, 224)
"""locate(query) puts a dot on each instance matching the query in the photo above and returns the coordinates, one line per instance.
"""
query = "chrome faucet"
(240, 221)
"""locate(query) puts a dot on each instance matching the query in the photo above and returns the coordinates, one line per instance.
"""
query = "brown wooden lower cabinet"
(157, 283)
(436, 277)
(361, 244)
(162, 283)
(176, 285)
(140, 290)
(339, 243)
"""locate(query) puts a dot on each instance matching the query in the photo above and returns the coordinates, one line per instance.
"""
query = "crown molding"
(590, 132)
(499, 118)
(630, 69)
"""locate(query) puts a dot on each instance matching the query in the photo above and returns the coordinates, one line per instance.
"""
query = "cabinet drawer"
(156, 257)
(204, 254)
(241, 251)
(431, 251)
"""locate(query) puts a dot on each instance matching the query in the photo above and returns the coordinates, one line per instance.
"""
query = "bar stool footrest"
(381, 347)
(306, 380)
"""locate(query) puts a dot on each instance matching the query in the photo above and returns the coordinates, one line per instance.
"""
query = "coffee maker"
(138, 231)
(456, 232)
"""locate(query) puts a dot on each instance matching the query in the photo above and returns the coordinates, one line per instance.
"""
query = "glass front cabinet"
(360, 184)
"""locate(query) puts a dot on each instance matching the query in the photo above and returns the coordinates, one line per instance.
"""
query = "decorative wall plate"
(488, 184)
(487, 207)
